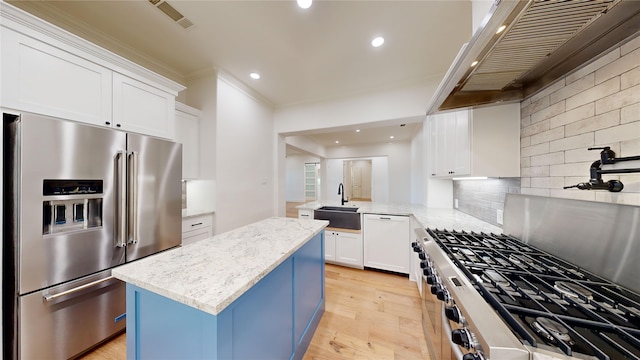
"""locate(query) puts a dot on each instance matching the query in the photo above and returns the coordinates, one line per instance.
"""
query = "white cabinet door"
(349, 249)
(186, 132)
(387, 242)
(40, 78)
(142, 108)
(329, 246)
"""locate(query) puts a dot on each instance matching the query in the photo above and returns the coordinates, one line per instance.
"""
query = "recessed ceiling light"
(357, 130)
(377, 41)
(337, 142)
(474, 63)
(305, 4)
(255, 76)
(391, 137)
(501, 29)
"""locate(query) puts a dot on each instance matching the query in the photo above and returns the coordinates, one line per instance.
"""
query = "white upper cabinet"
(142, 108)
(40, 78)
(187, 133)
(48, 71)
(478, 142)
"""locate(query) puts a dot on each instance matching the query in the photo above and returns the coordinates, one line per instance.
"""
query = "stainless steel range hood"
(543, 41)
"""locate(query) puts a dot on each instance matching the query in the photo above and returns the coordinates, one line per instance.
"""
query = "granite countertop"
(210, 274)
(187, 213)
(449, 219)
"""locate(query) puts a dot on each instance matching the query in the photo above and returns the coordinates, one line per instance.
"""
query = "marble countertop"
(449, 219)
(210, 274)
(187, 213)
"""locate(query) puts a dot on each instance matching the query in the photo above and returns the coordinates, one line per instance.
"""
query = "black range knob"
(460, 337)
(424, 264)
(452, 313)
(427, 271)
(417, 249)
(434, 289)
(431, 279)
(441, 294)
(414, 244)
(422, 256)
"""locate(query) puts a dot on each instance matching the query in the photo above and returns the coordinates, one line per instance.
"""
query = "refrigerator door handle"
(133, 197)
(121, 207)
(49, 297)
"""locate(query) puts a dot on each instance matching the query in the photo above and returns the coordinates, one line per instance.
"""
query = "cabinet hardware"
(107, 123)
(196, 224)
(384, 218)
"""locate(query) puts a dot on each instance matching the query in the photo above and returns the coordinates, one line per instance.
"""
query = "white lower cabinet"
(197, 228)
(343, 248)
(387, 242)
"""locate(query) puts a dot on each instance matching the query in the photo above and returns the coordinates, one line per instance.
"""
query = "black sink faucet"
(341, 192)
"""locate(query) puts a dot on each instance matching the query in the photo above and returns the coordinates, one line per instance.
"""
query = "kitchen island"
(256, 292)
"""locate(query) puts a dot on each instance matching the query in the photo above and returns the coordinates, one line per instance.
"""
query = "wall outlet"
(455, 203)
(500, 219)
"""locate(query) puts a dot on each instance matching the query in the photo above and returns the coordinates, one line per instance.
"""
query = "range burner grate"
(545, 300)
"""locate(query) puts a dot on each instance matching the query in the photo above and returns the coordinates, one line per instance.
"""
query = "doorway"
(311, 181)
(357, 179)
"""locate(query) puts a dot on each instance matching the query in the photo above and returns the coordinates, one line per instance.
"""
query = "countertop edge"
(122, 273)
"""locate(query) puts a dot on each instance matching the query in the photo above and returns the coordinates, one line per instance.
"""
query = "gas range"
(538, 304)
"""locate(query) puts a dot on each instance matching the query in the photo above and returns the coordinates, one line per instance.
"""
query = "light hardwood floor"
(368, 315)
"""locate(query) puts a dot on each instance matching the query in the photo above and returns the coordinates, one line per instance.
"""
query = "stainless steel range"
(507, 299)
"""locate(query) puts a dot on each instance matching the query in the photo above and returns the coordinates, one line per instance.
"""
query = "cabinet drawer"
(305, 214)
(196, 222)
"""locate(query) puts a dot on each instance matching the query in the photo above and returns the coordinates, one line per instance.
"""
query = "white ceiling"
(319, 54)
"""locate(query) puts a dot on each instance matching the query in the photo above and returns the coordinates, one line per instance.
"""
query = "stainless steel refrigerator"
(78, 201)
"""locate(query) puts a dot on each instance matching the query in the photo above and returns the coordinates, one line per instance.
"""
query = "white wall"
(244, 156)
(398, 175)
(295, 176)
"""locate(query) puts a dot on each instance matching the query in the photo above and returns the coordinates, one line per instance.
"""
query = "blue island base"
(275, 319)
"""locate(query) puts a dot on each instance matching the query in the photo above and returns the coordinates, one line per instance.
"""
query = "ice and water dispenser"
(71, 205)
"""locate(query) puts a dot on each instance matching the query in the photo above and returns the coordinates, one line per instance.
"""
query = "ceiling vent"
(544, 40)
(171, 12)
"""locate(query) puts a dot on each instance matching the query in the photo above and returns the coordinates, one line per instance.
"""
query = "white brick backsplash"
(624, 132)
(548, 159)
(548, 112)
(535, 150)
(534, 191)
(630, 113)
(630, 78)
(547, 182)
(536, 128)
(575, 87)
(525, 141)
(525, 162)
(538, 105)
(618, 67)
(550, 135)
(537, 171)
(597, 92)
(578, 155)
(618, 100)
(579, 113)
(631, 182)
(630, 46)
(594, 65)
(587, 195)
(525, 121)
(573, 142)
(629, 148)
(574, 169)
(603, 121)
(525, 182)
(623, 197)
(553, 88)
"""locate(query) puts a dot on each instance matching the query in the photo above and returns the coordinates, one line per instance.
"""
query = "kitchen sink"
(339, 216)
